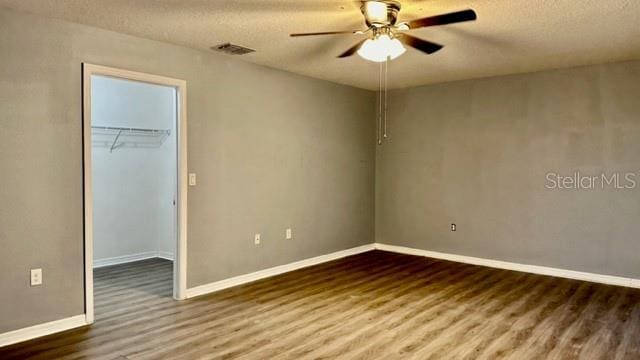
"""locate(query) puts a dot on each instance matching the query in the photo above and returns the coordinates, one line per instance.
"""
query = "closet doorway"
(135, 185)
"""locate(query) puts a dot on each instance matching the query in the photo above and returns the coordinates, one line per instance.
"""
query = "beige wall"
(271, 149)
(477, 152)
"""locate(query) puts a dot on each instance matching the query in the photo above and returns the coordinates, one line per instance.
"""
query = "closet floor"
(375, 305)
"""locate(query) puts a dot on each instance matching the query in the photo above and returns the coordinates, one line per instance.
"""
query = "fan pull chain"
(383, 77)
(386, 67)
(379, 125)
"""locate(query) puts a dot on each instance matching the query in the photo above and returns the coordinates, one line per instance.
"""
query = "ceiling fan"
(386, 36)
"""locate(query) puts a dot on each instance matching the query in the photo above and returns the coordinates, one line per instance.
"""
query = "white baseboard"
(98, 263)
(534, 269)
(36, 331)
(246, 278)
(165, 255)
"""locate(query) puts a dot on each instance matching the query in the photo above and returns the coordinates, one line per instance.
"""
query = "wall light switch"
(256, 239)
(453, 227)
(36, 277)
(288, 235)
(192, 179)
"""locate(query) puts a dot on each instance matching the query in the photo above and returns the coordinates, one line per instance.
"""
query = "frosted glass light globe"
(381, 48)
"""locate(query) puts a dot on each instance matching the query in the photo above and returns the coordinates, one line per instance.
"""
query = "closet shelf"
(118, 137)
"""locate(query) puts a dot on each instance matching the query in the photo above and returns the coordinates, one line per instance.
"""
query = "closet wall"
(134, 183)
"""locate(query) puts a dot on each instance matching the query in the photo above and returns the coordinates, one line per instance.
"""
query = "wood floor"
(375, 305)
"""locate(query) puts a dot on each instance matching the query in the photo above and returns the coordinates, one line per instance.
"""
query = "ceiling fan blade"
(444, 19)
(326, 33)
(422, 45)
(352, 50)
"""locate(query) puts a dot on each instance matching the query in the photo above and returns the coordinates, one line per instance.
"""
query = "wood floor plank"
(485, 325)
(347, 338)
(181, 323)
(523, 325)
(375, 305)
(309, 304)
(377, 297)
(459, 321)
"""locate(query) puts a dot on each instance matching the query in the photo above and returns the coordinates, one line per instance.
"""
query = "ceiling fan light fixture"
(381, 48)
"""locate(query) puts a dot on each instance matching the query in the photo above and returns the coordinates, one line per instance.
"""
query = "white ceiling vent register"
(232, 49)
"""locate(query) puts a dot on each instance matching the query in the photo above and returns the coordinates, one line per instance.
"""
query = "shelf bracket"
(113, 146)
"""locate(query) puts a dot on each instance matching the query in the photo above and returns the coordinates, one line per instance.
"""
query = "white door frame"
(180, 259)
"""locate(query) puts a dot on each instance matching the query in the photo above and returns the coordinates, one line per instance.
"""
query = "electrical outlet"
(256, 239)
(288, 235)
(36, 277)
(453, 227)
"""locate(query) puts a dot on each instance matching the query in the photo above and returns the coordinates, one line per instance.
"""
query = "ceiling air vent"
(232, 49)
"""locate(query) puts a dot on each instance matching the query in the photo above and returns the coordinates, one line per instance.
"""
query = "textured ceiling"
(510, 36)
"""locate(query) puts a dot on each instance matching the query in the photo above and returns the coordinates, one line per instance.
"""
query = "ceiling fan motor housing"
(380, 13)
